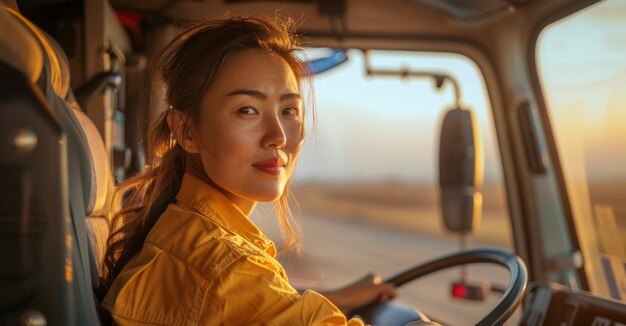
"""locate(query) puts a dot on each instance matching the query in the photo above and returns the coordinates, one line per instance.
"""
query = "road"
(336, 252)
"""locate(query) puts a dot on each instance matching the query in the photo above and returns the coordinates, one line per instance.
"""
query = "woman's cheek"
(296, 137)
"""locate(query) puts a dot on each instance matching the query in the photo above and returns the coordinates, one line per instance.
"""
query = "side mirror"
(460, 171)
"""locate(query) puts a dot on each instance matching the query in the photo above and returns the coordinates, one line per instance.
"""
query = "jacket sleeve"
(252, 291)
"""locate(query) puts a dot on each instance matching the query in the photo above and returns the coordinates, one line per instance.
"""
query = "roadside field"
(409, 207)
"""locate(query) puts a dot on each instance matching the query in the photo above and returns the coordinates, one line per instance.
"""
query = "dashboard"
(553, 304)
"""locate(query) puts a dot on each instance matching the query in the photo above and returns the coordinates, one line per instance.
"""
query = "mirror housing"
(326, 63)
(460, 171)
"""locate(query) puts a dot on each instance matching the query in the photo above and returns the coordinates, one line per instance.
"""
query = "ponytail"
(146, 196)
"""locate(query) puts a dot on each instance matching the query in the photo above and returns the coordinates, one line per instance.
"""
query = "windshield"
(367, 180)
(582, 65)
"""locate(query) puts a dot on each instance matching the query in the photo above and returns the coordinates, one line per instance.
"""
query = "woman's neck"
(246, 206)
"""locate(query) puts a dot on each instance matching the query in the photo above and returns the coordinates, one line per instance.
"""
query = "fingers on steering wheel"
(371, 278)
(388, 292)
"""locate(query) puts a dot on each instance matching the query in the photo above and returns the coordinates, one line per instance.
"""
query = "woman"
(186, 253)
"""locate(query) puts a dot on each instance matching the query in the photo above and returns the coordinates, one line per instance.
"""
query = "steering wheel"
(395, 313)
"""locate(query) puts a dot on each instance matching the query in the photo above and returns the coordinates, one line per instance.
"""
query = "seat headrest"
(55, 79)
(18, 47)
(64, 68)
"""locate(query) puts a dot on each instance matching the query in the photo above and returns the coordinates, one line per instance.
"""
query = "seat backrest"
(100, 195)
(36, 277)
(87, 177)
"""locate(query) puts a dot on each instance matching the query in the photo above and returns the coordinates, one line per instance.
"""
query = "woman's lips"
(273, 170)
(272, 166)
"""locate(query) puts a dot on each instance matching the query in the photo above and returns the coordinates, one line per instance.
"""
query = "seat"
(34, 210)
(56, 183)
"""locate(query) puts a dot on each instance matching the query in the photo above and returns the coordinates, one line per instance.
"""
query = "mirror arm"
(438, 77)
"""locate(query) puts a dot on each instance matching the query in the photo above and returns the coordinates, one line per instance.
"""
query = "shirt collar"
(213, 204)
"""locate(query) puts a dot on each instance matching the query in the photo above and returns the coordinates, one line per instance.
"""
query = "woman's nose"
(275, 135)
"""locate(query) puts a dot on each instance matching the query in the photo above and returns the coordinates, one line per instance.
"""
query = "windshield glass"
(582, 65)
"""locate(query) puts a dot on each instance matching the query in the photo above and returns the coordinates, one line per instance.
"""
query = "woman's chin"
(268, 195)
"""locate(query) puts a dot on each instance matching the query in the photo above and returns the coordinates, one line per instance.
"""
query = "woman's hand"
(364, 291)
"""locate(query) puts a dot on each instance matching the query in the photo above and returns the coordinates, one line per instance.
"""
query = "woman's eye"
(291, 112)
(247, 111)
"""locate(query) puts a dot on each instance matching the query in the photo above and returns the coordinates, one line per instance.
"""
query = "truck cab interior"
(77, 96)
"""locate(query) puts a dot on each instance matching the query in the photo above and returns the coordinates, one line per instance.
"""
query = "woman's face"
(251, 127)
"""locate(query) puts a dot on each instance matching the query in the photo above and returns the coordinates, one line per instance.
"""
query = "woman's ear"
(176, 122)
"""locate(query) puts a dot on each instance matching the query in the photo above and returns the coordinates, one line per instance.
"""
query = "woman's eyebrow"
(261, 95)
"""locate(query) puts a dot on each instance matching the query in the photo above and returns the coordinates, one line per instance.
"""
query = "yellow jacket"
(206, 263)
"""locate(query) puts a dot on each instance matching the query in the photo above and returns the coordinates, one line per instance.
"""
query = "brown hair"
(188, 66)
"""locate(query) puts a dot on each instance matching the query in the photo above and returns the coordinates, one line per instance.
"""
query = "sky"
(387, 128)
